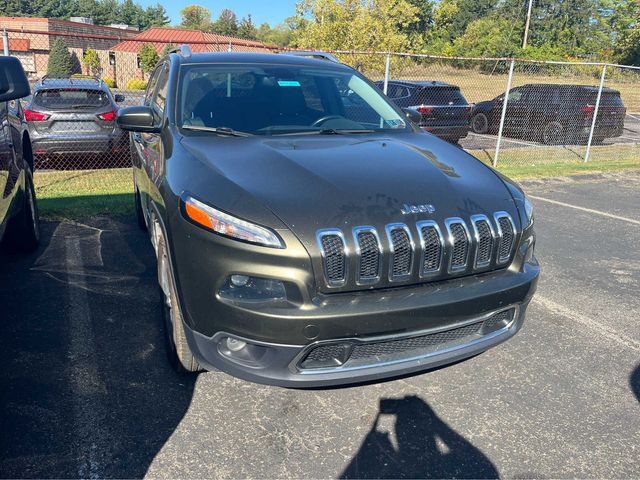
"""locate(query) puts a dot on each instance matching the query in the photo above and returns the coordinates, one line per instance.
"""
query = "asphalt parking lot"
(85, 389)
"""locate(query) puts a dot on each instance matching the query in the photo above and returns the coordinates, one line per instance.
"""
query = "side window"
(515, 95)
(151, 86)
(160, 98)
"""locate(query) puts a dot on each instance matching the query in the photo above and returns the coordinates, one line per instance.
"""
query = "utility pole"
(526, 25)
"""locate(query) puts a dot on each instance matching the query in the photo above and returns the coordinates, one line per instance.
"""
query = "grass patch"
(74, 194)
(562, 161)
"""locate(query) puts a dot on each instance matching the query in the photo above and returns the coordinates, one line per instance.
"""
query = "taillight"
(33, 116)
(108, 116)
(422, 109)
(588, 111)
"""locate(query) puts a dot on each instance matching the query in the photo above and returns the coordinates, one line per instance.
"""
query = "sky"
(271, 11)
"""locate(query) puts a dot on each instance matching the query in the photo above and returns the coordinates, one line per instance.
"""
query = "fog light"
(239, 280)
(235, 345)
(243, 288)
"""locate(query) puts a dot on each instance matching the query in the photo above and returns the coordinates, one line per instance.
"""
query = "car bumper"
(368, 336)
(63, 145)
(447, 133)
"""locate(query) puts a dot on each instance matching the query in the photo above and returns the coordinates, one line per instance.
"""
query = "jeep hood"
(344, 181)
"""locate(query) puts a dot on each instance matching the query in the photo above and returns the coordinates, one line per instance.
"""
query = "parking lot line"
(588, 210)
(634, 116)
(571, 314)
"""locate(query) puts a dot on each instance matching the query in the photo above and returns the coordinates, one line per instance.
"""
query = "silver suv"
(72, 123)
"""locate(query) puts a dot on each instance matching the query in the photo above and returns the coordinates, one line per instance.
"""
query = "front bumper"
(388, 356)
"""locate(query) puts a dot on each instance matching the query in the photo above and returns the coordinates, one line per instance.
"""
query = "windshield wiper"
(219, 130)
(83, 106)
(327, 131)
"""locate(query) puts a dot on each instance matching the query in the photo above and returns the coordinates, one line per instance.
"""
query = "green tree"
(156, 16)
(624, 19)
(355, 25)
(491, 36)
(226, 24)
(92, 61)
(131, 13)
(246, 28)
(195, 17)
(148, 58)
(59, 59)
(279, 35)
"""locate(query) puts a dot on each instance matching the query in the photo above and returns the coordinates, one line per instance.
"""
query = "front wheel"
(552, 133)
(23, 230)
(178, 349)
(480, 123)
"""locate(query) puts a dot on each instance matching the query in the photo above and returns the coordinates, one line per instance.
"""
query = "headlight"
(528, 212)
(228, 225)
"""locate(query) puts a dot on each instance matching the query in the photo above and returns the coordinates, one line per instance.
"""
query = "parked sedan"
(444, 110)
(553, 113)
(75, 117)
(19, 229)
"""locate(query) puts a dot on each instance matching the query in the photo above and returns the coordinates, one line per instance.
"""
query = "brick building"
(31, 39)
(126, 53)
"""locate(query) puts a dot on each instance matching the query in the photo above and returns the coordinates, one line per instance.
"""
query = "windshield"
(71, 98)
(278, 99)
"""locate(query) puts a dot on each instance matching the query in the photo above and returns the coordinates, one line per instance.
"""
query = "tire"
(142, 223)
(553, 133)
(23, 230)
(178, 350)
(480, 123)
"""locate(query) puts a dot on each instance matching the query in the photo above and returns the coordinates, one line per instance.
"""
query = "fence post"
(595, 113)
(387, 66)
(503, 114)
(5, 40)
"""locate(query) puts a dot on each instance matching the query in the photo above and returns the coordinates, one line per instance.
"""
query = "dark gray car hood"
(316, 182)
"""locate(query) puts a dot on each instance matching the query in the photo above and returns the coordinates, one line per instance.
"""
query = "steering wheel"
(326, 118)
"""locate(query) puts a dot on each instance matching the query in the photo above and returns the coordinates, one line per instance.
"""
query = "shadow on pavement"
(424, 446)
(634, 381)
(85, 389)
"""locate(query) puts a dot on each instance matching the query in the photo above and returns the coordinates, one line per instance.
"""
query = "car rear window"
(608, 97)
(77, 99)
(441, 96)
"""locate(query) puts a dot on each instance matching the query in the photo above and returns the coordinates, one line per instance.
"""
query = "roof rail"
(312, 54)
(71, 78)
(184, 50)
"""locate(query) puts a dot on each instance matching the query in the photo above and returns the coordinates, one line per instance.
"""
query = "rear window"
(607, 98)
(76, 99)
(441, 96)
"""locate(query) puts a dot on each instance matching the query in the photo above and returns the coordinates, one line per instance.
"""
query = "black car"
(444, 110)
(19, 228)
(75, 116)
(553, 114)
(305, 240)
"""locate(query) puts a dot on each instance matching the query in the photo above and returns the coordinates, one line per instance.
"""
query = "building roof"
(17, 44)
(199, 41)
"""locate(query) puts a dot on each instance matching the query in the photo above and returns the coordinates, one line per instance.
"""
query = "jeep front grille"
(457, 248)
(334, 256)
(369, 254)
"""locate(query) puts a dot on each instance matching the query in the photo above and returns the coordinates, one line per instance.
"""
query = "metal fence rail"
(510, 113)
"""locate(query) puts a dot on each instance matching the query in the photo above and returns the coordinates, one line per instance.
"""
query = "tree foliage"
(279, 35)
(60, 62)
(379, 25)
(226, 24)
(102, 12)
(246, 28)
(148, 58)
(92, 61)
(195, 17)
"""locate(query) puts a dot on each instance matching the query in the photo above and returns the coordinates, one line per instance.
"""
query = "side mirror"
(13, 80)
(412, 115)
(118, 98)
(140, 118)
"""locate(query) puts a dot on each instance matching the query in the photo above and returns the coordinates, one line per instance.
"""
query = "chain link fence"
(520, 116)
